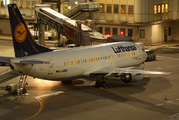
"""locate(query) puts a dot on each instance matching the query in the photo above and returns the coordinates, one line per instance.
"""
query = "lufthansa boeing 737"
(119, 59)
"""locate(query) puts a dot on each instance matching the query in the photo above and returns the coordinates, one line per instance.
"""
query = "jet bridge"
(74, 30)
(83, 7)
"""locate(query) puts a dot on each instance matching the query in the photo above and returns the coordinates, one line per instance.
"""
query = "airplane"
(120, 59)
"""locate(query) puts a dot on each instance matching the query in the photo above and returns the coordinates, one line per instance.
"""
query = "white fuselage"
(72, 63)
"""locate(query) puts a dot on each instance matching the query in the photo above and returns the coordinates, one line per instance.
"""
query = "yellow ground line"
(40, 110)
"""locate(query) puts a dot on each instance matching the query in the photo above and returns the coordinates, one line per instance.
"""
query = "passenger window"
(69, 63)
(106, 57)
(94, 59)
(78, 62)
(64, 64)
(117, 55)
(91, 59)
(85, 60)
(74, 62)
(101, 58)
(81, 61)
(98, 58)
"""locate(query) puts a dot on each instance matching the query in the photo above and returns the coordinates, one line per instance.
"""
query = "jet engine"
(131, 77)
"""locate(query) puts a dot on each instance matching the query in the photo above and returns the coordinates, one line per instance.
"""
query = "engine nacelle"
(131, 77)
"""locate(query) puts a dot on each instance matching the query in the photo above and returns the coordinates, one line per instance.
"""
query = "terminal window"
(114, 31)
(142, 33)
(159, 8)
(109, 7)
(169, 31)
(100, 29)
(21, 4)
(27, 4)
(102, 8)
(2, 2)
(155, 9)
(130, 32)
(123, 9)
(116, 8)
(107, 30)
(130, 9)
(163, 8)
(166, 7)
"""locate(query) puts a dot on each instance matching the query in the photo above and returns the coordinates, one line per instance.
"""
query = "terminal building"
(146, 21)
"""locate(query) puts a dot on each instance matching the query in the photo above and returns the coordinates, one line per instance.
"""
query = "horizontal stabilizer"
(7, 75)
(5, 59)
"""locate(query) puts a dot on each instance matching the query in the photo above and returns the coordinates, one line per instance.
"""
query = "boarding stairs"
(74, 30)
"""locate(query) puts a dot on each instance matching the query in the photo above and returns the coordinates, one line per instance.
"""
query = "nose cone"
(144, 56)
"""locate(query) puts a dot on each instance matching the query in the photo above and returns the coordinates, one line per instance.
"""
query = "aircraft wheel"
(97, 84)
(103, 84)
(67, 82)
(154, 58)
(2, 63)
(15, 92)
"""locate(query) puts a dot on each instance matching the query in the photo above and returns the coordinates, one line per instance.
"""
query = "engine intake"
(131, 77)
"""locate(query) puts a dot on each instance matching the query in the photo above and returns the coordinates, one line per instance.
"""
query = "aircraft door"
(51, 67)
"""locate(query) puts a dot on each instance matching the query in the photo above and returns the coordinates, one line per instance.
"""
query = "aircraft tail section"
(24, 44)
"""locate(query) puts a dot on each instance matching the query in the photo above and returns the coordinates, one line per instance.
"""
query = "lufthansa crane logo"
(20, 33)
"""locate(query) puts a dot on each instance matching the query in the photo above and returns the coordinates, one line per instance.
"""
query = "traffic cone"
(165, 97)
(146, 83)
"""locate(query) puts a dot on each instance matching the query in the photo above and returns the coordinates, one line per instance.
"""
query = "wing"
(5, 59)
(116, 72)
